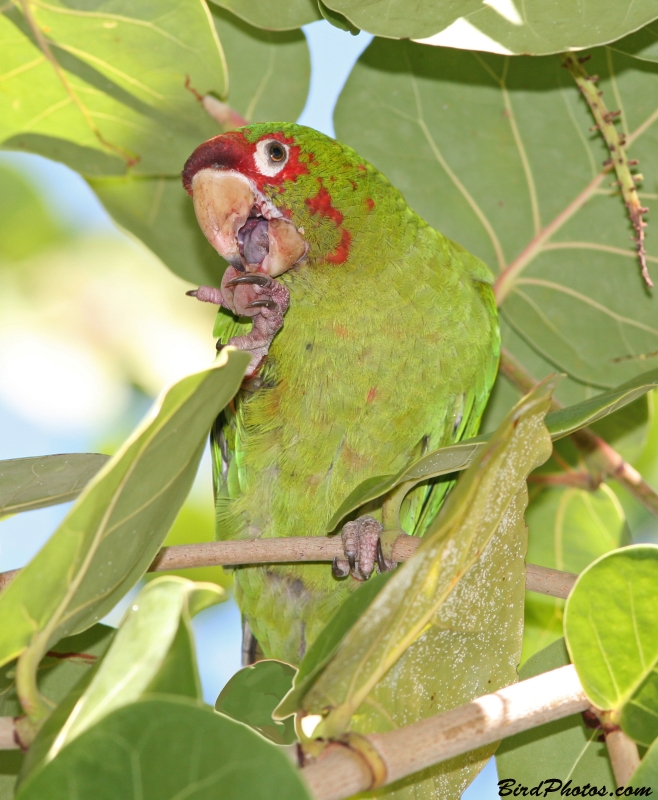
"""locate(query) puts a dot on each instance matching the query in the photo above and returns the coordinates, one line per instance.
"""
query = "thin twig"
(293, 549)
(341, 772)
(602, 459)
(576, 479)
(605, 123)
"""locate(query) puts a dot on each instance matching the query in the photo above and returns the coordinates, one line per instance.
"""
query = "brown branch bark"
(602, 459)
(308, 548)
(341, 772)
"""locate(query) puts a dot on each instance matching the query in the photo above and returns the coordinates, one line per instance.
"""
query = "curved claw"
(382, 564)
(259, 280)
(337, 570)
(263, 304)
(192, 293)
(351, 559)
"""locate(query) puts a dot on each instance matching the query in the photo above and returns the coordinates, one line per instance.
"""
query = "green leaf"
(567, 420)
(646, 775)
(459, 456)
(396, 664)
(273, 16)
(113, 531)
(152, 653)
(568, 529)
(565, 749)
(465, 137)
(253, 693)
(269, 80)
(28, 483)
(270, 71)
(611, 630)
(120, 92)
(65, 666)
(337, 20)
(531, 27)
(324, 647)
(163, 749)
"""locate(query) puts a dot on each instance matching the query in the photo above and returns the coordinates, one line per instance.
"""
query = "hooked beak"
(243, 225)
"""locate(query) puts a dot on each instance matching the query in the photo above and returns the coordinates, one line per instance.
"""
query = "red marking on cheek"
(372, 394)
(340, 254)
(370, 203)
(321, 204)
(361, 167)
(342, 332)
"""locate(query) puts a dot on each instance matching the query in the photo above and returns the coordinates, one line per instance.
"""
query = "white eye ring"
(265, 157)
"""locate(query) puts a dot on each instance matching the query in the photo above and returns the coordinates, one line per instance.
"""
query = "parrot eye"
(270, 156)
(276, 152)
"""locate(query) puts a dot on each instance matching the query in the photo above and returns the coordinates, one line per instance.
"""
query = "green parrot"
(374, 339)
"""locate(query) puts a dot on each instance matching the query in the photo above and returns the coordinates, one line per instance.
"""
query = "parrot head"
(270, 196)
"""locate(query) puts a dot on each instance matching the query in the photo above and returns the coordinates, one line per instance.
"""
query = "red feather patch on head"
(232, 151)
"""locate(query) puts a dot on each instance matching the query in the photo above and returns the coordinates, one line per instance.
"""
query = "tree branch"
(341, 772)
(603, 460)
(292, 549)
(8, 735)
(623, 753)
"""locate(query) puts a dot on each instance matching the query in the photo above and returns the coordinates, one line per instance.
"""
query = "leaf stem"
(616, 143)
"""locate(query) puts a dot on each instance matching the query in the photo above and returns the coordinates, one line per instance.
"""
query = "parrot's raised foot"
(361, 542)
(250, 295)
(207, 294)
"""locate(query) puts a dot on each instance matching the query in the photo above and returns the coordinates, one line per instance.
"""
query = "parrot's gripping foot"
(250, 295)
(362, 545)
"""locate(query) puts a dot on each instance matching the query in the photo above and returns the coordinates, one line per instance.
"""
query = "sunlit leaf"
(611, 630)
(532, 27)
(253, 693)
(459, 456)
(163, 749)
(464, 136)
(113, 531)
(459, 599)
(565, 749)
(153, 652)
(28, 483)
(108, 86)
(568, 529)
(274, 16)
